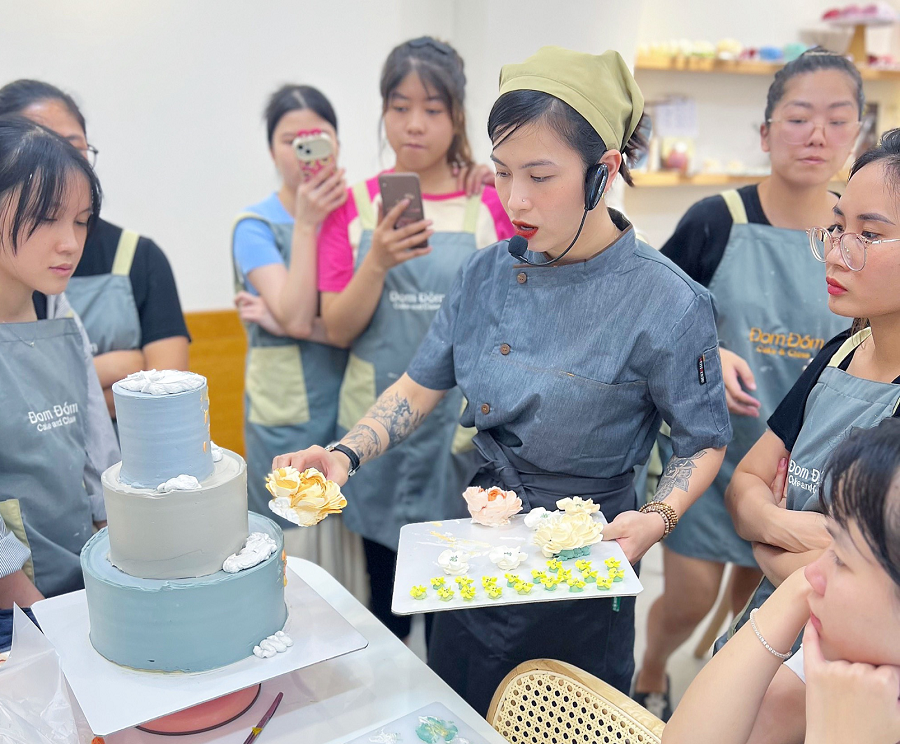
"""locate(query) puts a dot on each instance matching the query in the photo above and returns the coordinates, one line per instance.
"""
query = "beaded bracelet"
(783, 657)
(666, 511)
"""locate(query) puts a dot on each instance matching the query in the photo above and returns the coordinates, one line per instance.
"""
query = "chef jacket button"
(485, 409)
(522, 277)
(505, 349)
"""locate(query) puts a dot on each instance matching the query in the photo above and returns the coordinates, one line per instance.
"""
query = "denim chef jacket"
(574, 366)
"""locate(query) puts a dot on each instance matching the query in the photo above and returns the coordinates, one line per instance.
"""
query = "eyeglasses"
(854, 248)
(798, 130)
(90, 154)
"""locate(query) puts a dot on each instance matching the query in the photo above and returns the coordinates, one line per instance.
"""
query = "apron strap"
(473, 210)
(124, 257)
(368, 216)
(849, 346)
(736, 206)
(236, 270)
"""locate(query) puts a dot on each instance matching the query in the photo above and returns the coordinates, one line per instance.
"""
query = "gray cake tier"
(163, 435)
(188, 625)
(180, 534)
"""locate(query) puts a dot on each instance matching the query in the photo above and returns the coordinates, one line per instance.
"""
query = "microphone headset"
(594, 185)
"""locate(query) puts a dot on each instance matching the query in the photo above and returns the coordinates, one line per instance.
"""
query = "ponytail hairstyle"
(520, 107)
(19, 95)
(813, 60)
(886, 152)
(36, 166)
(297, 98)
(441, 70)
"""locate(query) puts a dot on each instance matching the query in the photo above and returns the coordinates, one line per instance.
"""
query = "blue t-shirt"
(254, 243)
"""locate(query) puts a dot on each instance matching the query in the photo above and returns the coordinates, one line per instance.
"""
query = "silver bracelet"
(783, 657)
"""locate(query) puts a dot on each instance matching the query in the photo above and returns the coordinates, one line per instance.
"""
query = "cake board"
(114, 697)
(421, 544)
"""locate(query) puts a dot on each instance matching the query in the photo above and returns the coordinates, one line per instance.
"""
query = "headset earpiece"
(595, 184)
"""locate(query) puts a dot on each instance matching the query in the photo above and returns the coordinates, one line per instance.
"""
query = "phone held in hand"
(315, 151)
(395, 187)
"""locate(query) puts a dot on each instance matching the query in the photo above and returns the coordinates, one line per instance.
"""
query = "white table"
(337, 700)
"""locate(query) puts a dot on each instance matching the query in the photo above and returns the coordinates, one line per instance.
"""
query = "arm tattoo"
(364, 441)
(677, 475)
(397, 416)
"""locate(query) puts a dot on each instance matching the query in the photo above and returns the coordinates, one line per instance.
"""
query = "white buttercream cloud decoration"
(257, 548)
(454, 562)
(303, 498)
(216, 450)
(179, 483)
(274, 644)
(162, 382)
(507, 559)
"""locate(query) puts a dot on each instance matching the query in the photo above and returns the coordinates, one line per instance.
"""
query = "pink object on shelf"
(209, 715)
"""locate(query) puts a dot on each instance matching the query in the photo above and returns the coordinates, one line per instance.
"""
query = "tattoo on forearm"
(364, 441)
(677, 475)
(397, 416)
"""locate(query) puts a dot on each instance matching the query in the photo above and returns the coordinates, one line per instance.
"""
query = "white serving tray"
(423, 542)
(114, 697)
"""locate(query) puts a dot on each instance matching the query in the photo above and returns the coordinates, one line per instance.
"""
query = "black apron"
(473, 650)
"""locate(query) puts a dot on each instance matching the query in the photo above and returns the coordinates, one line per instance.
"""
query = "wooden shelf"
(674, 178)
(736, 67)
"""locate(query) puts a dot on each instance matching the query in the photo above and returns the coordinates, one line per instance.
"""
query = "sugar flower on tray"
(576, 504)
(507, 559)
(492, 507)
(453, 562)
(568, 532)
(303, 498)
(538, 516)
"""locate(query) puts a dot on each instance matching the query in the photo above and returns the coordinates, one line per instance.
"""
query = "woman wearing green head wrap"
(568, 368)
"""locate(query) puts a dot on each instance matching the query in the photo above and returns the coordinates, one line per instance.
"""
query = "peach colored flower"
(493, 507)
(304, 498)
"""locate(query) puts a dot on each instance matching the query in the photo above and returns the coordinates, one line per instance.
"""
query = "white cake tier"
(179, 534)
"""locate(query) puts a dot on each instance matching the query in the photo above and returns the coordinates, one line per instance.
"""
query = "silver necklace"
(27, 343)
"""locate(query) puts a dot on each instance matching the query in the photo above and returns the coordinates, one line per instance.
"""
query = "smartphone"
(314, 150)
(394, 188)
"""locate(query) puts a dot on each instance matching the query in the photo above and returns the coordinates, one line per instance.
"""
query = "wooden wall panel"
(218, 350)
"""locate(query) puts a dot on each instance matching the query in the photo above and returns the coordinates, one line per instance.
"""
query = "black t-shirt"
(787, 420)
(40, 305)
(699, 240)
(151, 277)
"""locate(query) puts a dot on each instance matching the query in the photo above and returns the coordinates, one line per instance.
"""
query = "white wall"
(173, 90)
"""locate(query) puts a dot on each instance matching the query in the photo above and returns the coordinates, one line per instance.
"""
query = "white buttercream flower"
(577, 504)
(453, 562)
(538, 516)
(507, 559)
(303, 498)
(569, 531)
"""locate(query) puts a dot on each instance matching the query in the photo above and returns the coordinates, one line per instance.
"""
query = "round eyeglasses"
(854, 248)
(798, 130)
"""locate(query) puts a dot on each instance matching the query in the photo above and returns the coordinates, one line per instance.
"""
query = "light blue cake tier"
(163, 436)
(186, 625)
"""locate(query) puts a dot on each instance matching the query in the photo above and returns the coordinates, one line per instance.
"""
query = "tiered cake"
(158, 597)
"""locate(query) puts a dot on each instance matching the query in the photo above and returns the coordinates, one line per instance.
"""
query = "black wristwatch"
(351, 455)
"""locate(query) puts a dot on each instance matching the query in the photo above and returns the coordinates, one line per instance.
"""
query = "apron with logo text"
(423, 477)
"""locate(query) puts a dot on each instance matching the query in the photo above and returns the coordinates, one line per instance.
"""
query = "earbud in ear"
(595, 184)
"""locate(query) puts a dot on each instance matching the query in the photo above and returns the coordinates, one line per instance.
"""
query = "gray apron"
(838, 404)
(473, 650)
(771, 311)
(423, 477)
(291, 390)
(44, 399)
(105, 302)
